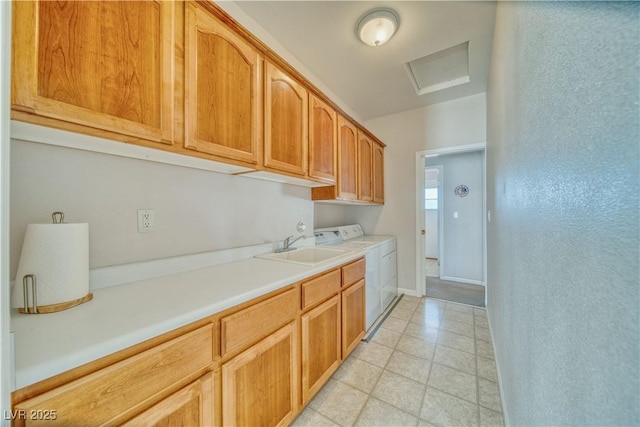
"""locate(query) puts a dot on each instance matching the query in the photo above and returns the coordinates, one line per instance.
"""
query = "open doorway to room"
(432, 211)
(451, 245)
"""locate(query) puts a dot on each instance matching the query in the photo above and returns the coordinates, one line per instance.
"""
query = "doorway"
(432, 203)
(451, 243)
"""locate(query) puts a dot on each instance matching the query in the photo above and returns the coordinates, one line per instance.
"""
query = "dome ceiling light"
(377, 26)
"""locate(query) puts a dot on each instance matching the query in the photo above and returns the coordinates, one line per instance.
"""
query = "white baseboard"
(410, 292)
(505, 414)
(461, 280)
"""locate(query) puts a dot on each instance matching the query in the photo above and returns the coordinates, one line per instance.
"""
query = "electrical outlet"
(146, 220)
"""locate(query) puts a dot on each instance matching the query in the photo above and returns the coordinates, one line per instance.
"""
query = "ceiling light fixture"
(377, 26)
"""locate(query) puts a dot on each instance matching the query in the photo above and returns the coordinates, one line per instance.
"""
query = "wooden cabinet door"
(285, 123)
(223, 89)
(353, 312)
(378, 173)
(365, 153)
(323, 126)
(347, 160)
(260, 385)
(321, 346)
(114, 393)
(190, 406)
(105, 65)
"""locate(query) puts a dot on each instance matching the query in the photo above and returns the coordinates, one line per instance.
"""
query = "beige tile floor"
(430, 364)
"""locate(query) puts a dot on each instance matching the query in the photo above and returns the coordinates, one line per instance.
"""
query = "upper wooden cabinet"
(285, 122)
(223, 89)
(378, 173)
(347, 160)
(106, 66)
(183, 77)
(365, 169)
(323, 126)
(360, 168)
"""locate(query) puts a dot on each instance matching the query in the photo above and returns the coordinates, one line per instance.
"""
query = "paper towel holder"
(34, 308)
(29, 284)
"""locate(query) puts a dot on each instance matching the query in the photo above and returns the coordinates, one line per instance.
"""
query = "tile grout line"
(370, 394)
(426, 386)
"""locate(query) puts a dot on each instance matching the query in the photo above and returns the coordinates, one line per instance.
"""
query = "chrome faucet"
(286, 245)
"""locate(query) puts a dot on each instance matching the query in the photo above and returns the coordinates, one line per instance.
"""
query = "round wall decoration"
(461, 190)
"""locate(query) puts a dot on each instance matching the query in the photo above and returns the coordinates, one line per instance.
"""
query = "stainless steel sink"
(310, 255)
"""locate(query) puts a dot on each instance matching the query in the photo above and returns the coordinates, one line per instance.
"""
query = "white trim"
(505, 412)
(410, 292)
(62, 138)
(104, 277)
(441, 259)
(420, 288)
(7, 376)
(462, 280)
(421, 284)
(484, 225)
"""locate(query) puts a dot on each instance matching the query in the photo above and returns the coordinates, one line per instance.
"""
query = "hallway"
(463, 293)
(430, 363)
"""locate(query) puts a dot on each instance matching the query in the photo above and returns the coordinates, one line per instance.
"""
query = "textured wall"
(562, 161)
(196, 210)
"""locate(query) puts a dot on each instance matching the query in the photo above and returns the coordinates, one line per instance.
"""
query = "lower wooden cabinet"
(118, 392)
(321, 346)
(251, 365)
(190, 406)
(260, 385)
(353, 320)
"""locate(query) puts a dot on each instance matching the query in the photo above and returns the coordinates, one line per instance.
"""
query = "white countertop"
(121, 316)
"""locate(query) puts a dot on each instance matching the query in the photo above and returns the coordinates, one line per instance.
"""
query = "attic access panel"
(440, 70)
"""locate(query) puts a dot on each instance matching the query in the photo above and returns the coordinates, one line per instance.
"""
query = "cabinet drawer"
(111, 395)
(353, 272)
(320, 288)
(252, 323)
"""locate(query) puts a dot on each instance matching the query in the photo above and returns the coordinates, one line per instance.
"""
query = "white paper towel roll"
(58, 256)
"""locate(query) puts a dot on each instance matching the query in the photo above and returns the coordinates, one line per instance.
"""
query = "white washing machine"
(381, 279)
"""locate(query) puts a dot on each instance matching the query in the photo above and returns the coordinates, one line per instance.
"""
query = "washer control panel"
(350, 231)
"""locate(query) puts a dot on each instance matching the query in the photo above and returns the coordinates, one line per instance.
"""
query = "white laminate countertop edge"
(121, 316)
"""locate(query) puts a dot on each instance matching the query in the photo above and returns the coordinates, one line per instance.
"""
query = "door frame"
(440, 169)
(419, 198)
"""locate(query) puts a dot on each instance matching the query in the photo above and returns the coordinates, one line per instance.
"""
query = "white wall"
(462, 250)
(196, 210)
(562, 184)
(449, 124)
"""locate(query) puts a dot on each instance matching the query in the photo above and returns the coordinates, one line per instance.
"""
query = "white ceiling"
(373, 82)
